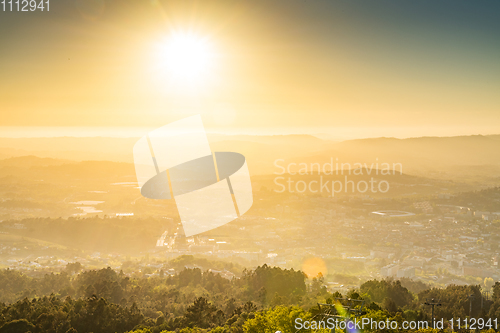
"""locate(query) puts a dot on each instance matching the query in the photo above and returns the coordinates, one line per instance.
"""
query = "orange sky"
(278, 64)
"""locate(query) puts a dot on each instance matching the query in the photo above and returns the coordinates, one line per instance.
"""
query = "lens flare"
(313, 266)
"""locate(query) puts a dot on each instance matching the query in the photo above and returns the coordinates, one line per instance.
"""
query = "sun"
(186, 57)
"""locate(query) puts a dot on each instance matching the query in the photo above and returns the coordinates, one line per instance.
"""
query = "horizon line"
(323, 133)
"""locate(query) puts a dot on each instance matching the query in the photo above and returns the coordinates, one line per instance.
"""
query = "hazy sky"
(374, 66)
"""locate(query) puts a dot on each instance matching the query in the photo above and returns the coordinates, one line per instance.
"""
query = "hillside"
(472, 158)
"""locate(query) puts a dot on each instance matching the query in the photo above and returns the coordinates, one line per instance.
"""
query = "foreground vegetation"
(266, 299)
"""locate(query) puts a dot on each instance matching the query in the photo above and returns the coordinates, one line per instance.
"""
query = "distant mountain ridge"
(31, 160)
(443, 157)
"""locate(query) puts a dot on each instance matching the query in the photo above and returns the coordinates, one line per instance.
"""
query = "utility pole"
(471, 298)
(433, 303)
(347, 307)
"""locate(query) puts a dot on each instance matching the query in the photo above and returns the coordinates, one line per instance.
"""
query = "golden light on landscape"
(249, 166)
(186, 58)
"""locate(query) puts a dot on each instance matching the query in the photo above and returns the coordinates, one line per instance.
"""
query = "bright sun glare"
(187, 57)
